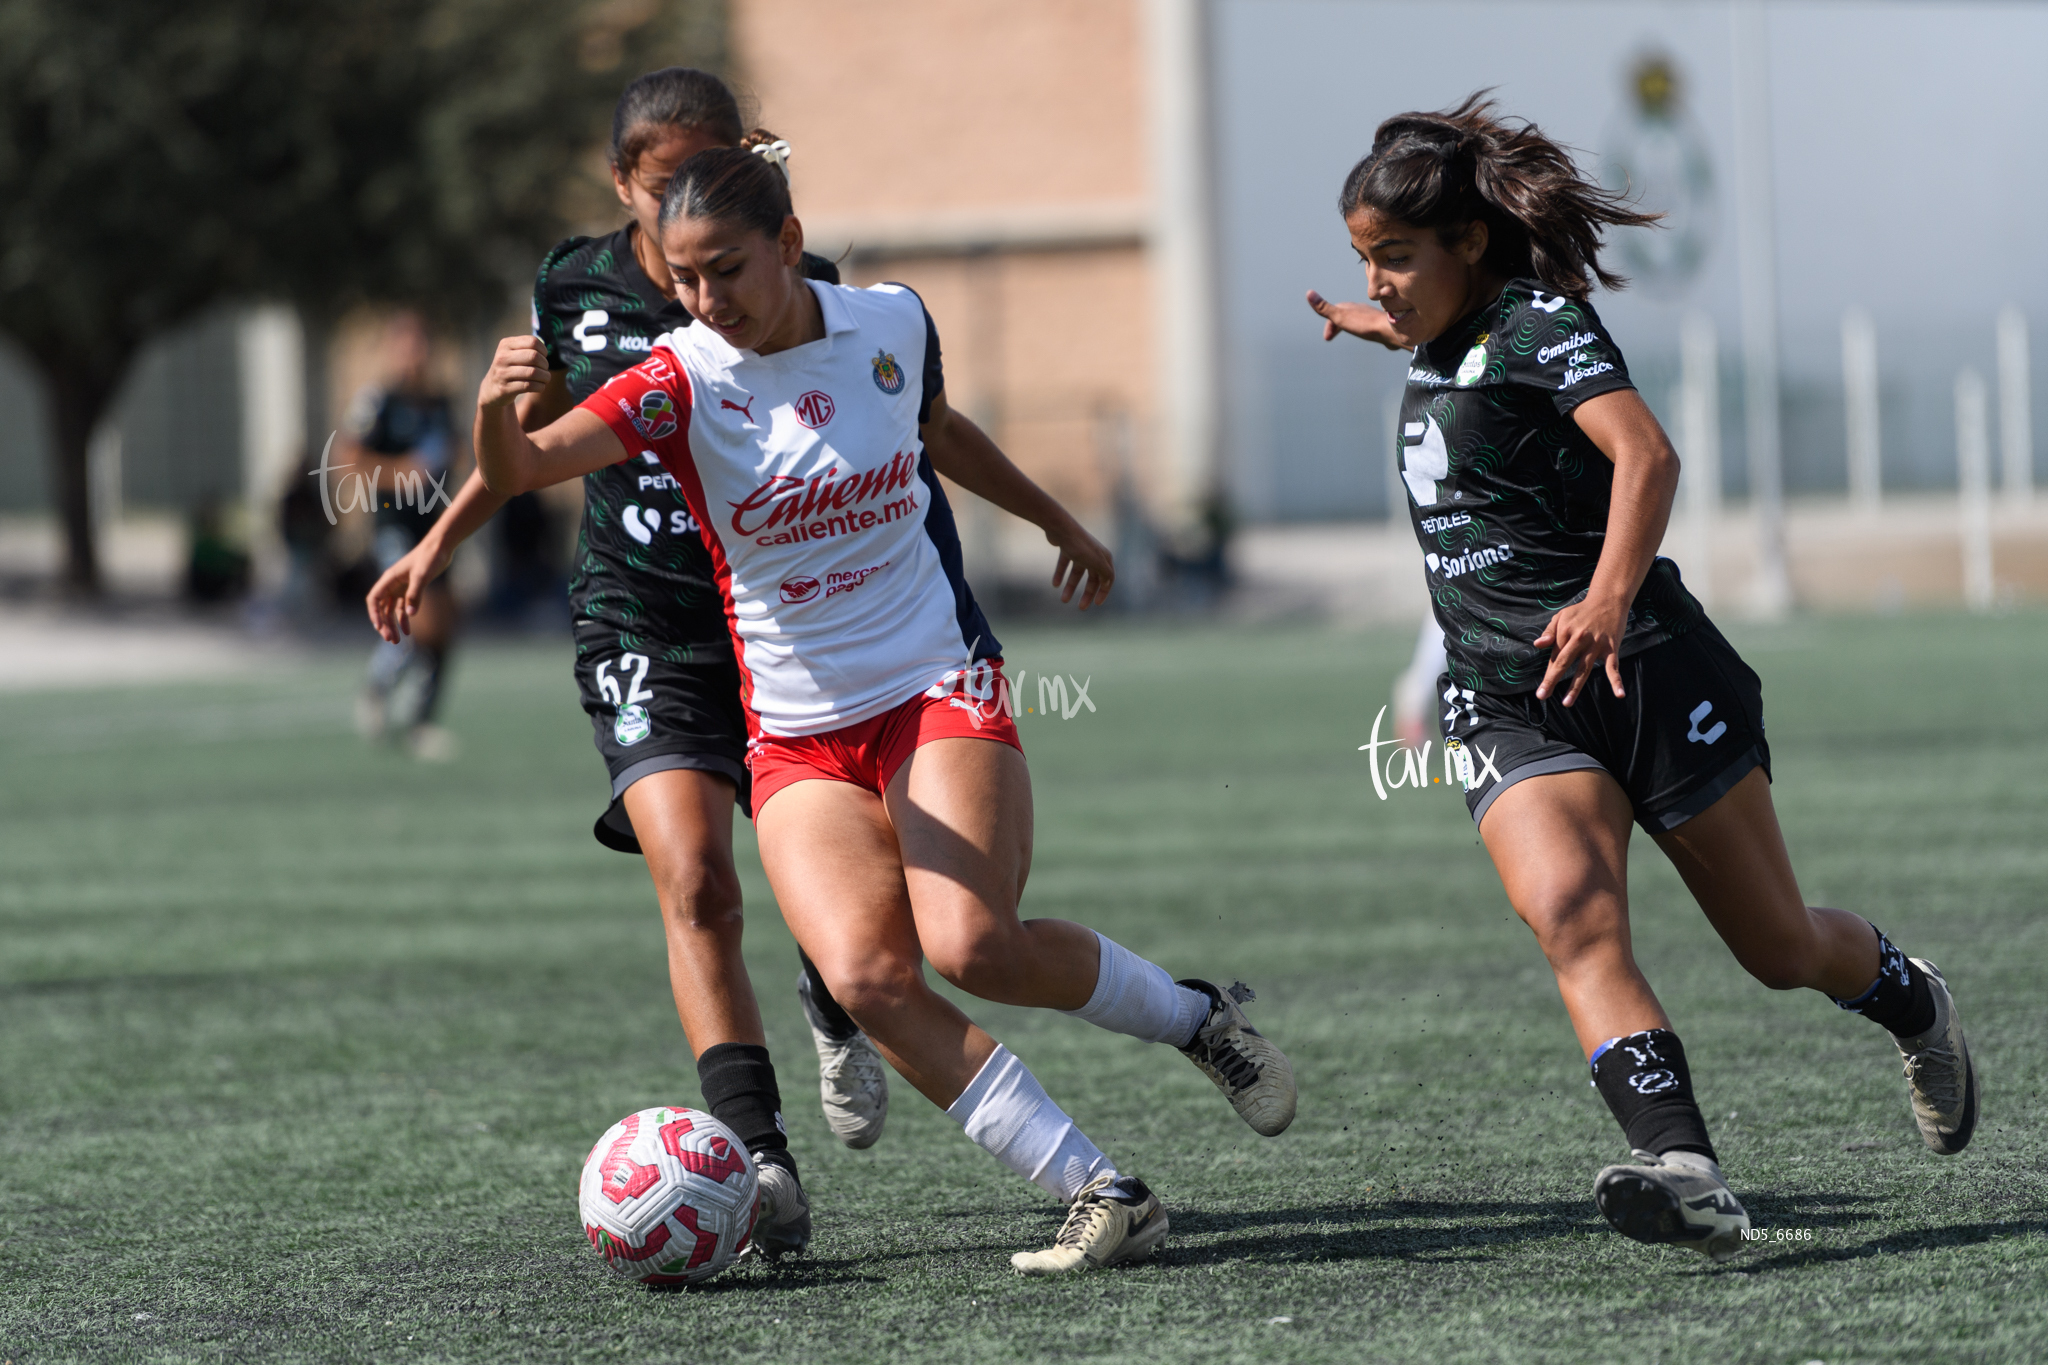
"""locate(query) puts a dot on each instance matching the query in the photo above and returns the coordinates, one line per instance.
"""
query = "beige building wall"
(992, 156)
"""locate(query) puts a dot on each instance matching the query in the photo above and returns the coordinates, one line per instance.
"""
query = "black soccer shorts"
(1690, 728)
(648, 715)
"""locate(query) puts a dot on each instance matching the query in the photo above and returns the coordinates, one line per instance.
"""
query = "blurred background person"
(399, 437)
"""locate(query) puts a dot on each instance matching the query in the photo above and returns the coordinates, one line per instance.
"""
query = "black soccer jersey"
(641, 566)
(1509, 496)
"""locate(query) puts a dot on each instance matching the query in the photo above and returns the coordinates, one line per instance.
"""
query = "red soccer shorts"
(973, 704)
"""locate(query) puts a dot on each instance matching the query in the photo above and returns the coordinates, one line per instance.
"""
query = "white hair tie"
(776, 153)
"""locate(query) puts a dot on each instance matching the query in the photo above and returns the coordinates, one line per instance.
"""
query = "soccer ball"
(669, 1196)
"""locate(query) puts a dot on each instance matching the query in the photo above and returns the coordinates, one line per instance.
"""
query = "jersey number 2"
(634, 692)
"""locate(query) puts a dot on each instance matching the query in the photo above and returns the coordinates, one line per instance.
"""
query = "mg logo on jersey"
(801, 589)
(814, 409)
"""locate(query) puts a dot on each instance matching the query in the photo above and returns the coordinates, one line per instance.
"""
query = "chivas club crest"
(888, 374)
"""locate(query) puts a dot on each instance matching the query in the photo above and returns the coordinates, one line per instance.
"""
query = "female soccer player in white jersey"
(1586, 687)
(804, 423)
(654, 661)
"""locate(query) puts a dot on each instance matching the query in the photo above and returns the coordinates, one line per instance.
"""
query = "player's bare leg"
(683, 819)
(1561, 844)
(837, 868)
(961, 809)
(1732, 857)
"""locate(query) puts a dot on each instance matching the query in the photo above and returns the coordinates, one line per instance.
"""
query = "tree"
(158, 159)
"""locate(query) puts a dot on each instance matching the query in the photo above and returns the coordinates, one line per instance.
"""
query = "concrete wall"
(993, 157)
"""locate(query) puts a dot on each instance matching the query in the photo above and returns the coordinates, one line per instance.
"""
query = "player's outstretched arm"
(1360, 319)
(963, 452)
(510, 460)
(1587, 635)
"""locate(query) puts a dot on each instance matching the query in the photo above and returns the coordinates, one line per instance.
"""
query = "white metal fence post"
(1973, 487)
(1860, 410)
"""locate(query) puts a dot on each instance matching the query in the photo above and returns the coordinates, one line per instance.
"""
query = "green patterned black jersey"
(1509, 496)
(641, 567)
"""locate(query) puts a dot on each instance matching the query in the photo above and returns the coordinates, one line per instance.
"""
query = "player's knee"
(982, 964)
(703, 899)
(1571, 917)
(873, 990)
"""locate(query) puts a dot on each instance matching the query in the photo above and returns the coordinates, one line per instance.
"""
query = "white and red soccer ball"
(669, 1196)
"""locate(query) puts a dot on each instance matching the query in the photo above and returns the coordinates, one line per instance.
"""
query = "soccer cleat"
(1255, 1076)
(1678, 1199)
(1940, 1077)
(372, 715)
(783, 1225)
(1113, 1219)
(852, 1086)
(431, 744)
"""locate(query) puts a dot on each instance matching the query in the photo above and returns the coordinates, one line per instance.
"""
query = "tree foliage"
(157, 159)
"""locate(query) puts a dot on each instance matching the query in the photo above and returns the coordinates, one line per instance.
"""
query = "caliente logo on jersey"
(655, 417)
(814, 409)
(888, 374)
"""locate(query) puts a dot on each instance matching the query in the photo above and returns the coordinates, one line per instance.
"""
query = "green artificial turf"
(302, 1043)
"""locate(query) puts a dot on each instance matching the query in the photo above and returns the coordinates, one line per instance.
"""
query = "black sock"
(1900, 998)
(824, 1011)
(739, 1088)
(1646, 1083)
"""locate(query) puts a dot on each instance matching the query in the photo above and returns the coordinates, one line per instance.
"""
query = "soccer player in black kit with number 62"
(1586, 688)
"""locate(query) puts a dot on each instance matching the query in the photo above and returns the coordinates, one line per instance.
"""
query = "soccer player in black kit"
(1587, 690)
(654, 659)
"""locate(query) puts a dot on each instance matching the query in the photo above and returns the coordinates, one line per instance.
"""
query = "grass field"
(301, 1045)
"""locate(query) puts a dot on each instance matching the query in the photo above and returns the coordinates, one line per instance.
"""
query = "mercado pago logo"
(1466, 765)
(342, 493)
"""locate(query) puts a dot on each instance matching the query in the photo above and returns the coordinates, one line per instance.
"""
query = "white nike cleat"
(853, 1087)
(1112, 1220)
(782, 1227)
(1678, 1199)
(1253, 1074)
(1941, 1080)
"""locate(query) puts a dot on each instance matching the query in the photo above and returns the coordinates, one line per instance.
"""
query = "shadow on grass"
(1380, 1230)
(1799, 1256)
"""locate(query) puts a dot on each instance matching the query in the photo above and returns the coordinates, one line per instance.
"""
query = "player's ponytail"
(731, 184)
(770, 149)
(1446, 171)
(673, 97)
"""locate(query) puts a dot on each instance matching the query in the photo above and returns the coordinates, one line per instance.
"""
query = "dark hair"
(1449, 170)
(731, 184)
(673, 97)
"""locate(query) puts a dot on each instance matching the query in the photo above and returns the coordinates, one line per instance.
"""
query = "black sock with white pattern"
(1648, 1087)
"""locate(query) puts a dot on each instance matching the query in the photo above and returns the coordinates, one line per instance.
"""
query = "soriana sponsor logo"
(801, 589)
(814, 409)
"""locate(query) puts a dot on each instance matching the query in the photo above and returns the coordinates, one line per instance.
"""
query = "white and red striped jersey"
(830, 538)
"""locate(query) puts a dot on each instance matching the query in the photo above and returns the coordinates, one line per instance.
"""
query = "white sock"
(1137, 997)
(1006, 1111)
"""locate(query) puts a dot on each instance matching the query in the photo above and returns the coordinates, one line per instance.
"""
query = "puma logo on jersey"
(747, 411)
